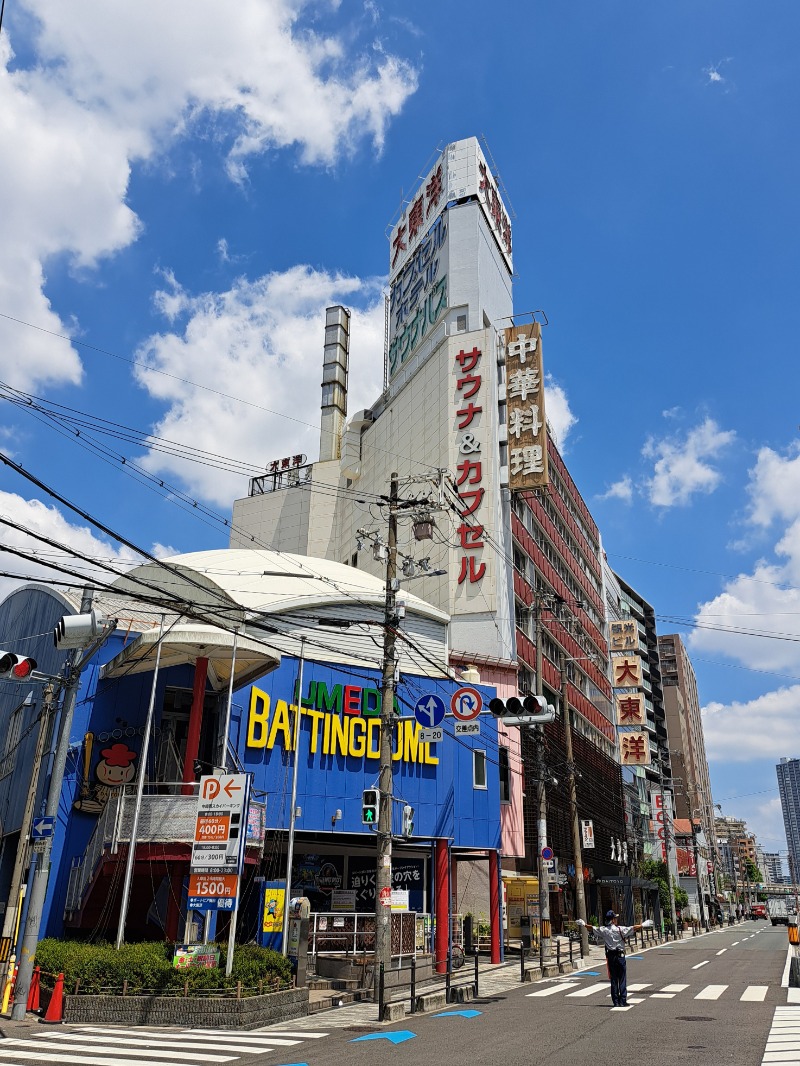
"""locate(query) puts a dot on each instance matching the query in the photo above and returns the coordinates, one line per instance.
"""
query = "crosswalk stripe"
(637, 987)
(674, 988)
(551, 991)
(704, 963)
(142, 1052)
(282, 1032)
(754, 994)
(793, 995)
(662, 995)
(711, 992)
(590, 991)
(80, 1060)
(178, 1045)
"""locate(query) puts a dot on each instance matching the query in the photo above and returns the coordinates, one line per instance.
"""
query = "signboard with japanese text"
(623, 636)
(526, 424)
(627, 670)
(220, 827)
(634, 749)
(196, 956)
(470, 478)
(631, 709)
(418, 295)
(459, 172)
(587, 832)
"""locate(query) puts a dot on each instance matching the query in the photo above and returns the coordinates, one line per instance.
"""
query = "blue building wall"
(337, 750)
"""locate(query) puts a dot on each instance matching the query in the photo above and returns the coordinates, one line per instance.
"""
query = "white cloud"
(263, 341)
(682, 465)
(50, 522)
(714, 72)
(762, 728)
(620, 490)
(559, 415)
(110, 87)
(775, 486)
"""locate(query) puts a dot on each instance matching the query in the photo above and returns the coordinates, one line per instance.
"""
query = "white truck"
(777, 911)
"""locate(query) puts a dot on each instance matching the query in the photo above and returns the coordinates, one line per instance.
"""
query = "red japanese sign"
(469, 467)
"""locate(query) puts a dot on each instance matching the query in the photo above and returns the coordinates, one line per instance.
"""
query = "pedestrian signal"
(16, 667)
(370, 806)
(78, 630)
(530, 710)
(408, 821)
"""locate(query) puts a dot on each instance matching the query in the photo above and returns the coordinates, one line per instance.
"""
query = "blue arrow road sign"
(430, 710)
(43, 827)
(458, 1014)
(398, 1037)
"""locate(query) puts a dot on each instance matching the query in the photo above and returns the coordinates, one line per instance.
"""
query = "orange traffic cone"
(33, 991)
(55, 1008)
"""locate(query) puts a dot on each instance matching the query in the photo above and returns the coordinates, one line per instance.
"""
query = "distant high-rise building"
(789, 787)
(773, 868)
(685, 727)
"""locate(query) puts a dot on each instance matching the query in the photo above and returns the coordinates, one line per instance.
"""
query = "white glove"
(580, 921)
(648, 924)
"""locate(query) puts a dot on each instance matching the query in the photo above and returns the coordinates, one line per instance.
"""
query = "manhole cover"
(359, 1029)
(694, 1018)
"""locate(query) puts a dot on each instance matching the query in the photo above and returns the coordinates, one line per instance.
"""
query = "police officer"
(614, 936)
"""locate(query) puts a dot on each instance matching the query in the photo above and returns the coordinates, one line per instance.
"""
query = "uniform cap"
(610, 915)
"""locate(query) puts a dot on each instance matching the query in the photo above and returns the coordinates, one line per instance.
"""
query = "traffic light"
(78, 630)
(16, 667)
(370, 806)
(408, 821)
(532, 710)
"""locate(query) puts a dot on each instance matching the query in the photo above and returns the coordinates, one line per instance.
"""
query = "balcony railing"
(167, 815)
(280, 479)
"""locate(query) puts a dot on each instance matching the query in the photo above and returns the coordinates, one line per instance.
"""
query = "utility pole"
(10, 921)
(541, 805)
(580, 895)
(667, 815)
(38, 892)
(383, 872)
(697, 874)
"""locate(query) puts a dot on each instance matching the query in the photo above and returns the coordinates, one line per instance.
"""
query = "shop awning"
(184, 644)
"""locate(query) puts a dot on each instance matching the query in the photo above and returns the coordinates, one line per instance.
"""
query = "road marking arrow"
(230, 787)
(396, 1038)
(459, 1014)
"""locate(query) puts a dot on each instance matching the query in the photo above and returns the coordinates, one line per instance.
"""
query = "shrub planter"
(207, 1012)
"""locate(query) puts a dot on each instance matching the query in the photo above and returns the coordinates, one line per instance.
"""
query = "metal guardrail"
(350, 933)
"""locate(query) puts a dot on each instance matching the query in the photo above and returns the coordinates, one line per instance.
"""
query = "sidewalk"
(493, 980)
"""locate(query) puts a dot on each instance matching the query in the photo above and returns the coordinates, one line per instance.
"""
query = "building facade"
(267, 666)
(515, 558)
(788, 771)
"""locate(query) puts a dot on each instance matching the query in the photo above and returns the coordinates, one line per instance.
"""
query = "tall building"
(515, 560)
(773, 868)
(789, 787)
(651, 783)
(693, 798)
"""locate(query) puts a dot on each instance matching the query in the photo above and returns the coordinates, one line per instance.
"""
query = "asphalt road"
(715, 999)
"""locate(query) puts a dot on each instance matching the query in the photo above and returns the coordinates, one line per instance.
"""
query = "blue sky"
(186, 188)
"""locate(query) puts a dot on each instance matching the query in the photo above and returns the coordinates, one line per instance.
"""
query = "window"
(478, 769)
(505, 776)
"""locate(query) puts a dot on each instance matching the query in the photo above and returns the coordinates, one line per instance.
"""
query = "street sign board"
(40, 846)
(547, 853)
(430, 710)
(431, 736)
(466, 703)
(213, 891)
(220, 824)
(468, 729)
(386, 896)
(43, 827)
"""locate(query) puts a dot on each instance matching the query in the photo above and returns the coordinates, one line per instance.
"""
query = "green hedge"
(147, 968)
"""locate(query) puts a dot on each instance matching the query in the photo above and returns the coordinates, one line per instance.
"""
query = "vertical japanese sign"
(631, 709)
(525, 423)
(469, 468)
(623, 636)
(634, 749)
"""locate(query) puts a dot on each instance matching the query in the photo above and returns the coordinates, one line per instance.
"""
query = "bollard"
(558, 953)
(448, 978)
(570, 951)
(380, 994)
(12, 972)
(521, 963)
(413, 984)
(476, 970)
